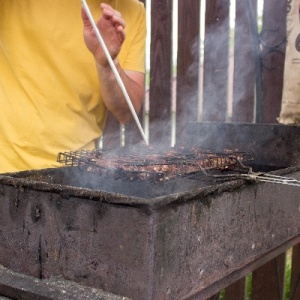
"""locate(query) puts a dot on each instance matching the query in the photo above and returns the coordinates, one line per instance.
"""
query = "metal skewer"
(272, 179)
(114, 69)
(254, 176)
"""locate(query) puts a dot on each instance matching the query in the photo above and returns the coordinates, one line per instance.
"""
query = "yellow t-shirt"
(49, 92)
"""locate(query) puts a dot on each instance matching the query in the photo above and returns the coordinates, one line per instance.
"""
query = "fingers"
(85, 19)
(121, 32)
(114, 15)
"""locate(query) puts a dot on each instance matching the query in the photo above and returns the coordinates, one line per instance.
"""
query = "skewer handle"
(114, 69)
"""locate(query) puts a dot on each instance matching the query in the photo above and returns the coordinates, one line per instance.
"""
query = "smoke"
(217, 94)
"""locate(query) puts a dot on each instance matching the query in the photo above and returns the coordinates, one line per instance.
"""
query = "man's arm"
(111, 26)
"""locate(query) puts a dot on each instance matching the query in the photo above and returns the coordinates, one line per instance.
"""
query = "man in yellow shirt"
(55, 81)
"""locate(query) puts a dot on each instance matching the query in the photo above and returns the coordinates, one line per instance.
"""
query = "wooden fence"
(254, 93)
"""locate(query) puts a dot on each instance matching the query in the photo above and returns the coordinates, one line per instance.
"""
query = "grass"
(287, 280)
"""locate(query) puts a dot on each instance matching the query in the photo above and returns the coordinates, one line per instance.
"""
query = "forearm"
(112, 94)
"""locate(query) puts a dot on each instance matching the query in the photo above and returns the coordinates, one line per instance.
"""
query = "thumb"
(85, 19)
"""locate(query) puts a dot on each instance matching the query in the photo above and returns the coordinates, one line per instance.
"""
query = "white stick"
(114, 69)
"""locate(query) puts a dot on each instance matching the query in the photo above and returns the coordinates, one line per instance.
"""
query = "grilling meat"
(150, 164)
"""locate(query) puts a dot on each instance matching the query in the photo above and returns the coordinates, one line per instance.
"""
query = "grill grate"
(150, 164)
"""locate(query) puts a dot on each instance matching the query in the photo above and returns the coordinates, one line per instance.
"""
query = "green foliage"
(287, 283)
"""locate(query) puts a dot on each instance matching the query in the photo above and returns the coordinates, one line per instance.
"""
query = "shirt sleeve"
(133, 57)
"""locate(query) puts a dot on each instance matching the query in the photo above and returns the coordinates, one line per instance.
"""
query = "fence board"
(268, 280)
(187, 64)
(160, 72)
(273, 37)
(236, 291)
(215, 78)
(244, 66)
(295, 275)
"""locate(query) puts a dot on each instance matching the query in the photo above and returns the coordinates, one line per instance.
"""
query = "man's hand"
(111, 26)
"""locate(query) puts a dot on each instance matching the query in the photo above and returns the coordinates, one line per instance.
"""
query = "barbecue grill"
(177, 223)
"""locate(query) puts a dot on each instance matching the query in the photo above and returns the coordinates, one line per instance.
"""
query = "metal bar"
(258, 66)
